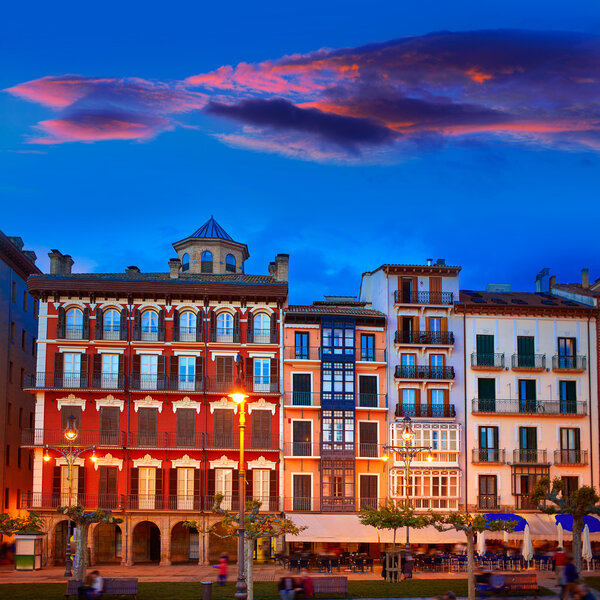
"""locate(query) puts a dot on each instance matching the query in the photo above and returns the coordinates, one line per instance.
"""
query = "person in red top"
(560, 560)
(305, 588)
(223, 563)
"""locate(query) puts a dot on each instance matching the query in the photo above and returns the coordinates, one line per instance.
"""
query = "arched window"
(74, 323)
(230, 263)
(224, 327)
(112, 324)
(207, 262)
(262, 328)
(149, 325)
(187, 326)
(185, 262)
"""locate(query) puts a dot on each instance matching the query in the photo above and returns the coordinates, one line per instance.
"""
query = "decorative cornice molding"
(70, 400)
(147, 461)
(62, 462)
(108, 460)
(224, 463)
(185, 461)
(110, 401)
(148, 402)
(261, 463)
(261, 404)
(223, 403)
(186, 402)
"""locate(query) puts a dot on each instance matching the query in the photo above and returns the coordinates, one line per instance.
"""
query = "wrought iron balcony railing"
(232, 441)
(302, 353)
(487, 361)
(528, 362)
(435, 298)
(41, 500)
(298, 398)
(489, 455)
(569, 363)
(370, 355)
(535, 407)
(426, 338)
(368, 400)
(488, 502)
(86, 437)
(440, 411)
(529, 456)
(423, 372)
(570, 457)
(302, 449)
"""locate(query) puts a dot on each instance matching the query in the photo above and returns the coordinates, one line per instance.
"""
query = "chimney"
(17, 241)
(272, 269)
(585, 278)
(132, 270)
(31, 255)
(281, 269)
(541, 285)
(429, 262)
(174, 267)
(60, 264)
(552, 282)
(441, 262)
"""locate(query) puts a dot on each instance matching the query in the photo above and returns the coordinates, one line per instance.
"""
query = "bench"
(112, 587)
(509, 582)
(331, 585)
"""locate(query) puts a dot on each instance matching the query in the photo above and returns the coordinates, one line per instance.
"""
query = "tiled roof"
(576, 288)
(212, 230)
(516, 299)
(321, 309)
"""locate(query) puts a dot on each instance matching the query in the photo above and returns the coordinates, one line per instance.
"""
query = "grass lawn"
(593, 582)
(262, 590)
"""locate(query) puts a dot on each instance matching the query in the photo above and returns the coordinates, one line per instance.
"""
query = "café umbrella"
(560, 535)
(481, 543)
(527, 549)
(586, 547)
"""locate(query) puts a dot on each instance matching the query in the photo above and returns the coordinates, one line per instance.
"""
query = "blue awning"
(567, 522)
(520, 521)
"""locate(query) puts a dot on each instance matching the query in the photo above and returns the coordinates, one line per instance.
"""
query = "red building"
(144, 363)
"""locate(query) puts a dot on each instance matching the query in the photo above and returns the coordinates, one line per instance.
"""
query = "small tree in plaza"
(469, 524)
(578, 504)
(9, 526)
(82, 521)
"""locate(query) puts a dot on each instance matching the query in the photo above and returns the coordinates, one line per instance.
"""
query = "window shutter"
(250, 329)
(235, 488)
(160, 473)
(84, 370)
(249, 374)
(60, 327)
(58, 369)
(213, 327)
(81, 485)
(174, 366)
(137, 324)
(199, 373)
(102, 482)
(261, 428)
(123, 324)
(236, 327)
(56, 473)
(186, 426)
(97, 369)
(161, 325)
(173, 488)
(134, 487)
(86, 323)
(210, 487)
(274, 375)
(273, 490)
(250, 484)
(273, 328)
(196, 489)
(121, 369)
(161, 372)
(175, 325)
(136, 370)
(200, 326)
(71, 411)
(99, 323)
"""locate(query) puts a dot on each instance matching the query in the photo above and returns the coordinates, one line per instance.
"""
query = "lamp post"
(239, 397)
(407, 453)
(70, 453)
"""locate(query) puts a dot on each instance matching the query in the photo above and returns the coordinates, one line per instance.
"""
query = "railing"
(225, 335)
(370, 355)
(263, 336)
(188, 383)
(438, 298)
(149, 334)
(33, 500)
(487, 361)
(301, 449)
(569, 363)
(443, 338)
(330, 504)
(440, 411)
(570, 457)
(430, 503)
(488, 502)
(529, 361)
(529, 456)
(55, 437)
(189, 334)
(232, 441)
(164, 439)
(489, 455)
(111, 333)
(423, 372)
(368, 400)
(524, 502)
(369, 450)
(297, 398)
(302, 353)
(73, 332)
(148, 382)
(537, 407)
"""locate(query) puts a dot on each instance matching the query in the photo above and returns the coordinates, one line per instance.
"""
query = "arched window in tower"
(230, 263)
(111, 324)
(207, 262)
(185, 262)
(224, 327)
(149, 325)
(74, 322)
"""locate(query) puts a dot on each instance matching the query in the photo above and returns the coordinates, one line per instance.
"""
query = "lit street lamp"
(407, 453)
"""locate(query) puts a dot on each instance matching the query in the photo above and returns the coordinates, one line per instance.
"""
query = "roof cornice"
(15, 258)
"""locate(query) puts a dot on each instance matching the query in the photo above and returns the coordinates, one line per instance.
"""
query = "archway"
(184, 544)
(107, 543)
(60, 542)
(217, 544)
(146, 543)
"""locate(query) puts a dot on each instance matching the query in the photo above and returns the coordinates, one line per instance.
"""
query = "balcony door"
(262, 374)
(301, 389)
(72, 369)
(567, 352)
(486, 394)
(568, 397)
(435, 330)
(223, 428)
(407, 290)
(301, 345)
(301, 438)
(107, 487)
(488, 444)
(528, 444)
(302, 492)
(261, 486)
(368, 491)
(147, 488)
(185, 488)
(368, 433)
(224, 485)
(488, 492)
(570, 445)
(110, 371)
(148, 371)
(223, 373)
(527, 395)
(367, 391)
(261, 429)
(526, 351)
(485, 350)
(187, 373)
(186, 427)
(147, 426)
(109, 425)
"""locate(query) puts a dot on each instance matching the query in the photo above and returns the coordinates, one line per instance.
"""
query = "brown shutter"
(210, 487)
(121, 370)
(137, 324)
(86, 323)
(70, 411)
(147, 426)
(435, 285)
(98, 334)
(123, 324)
(161, 325)
(161, 372)
(444, 324)
(236, 327)
(175, 335)
(273, 490)
(134, 487)
(219, 368)
(249, 374)
(56, 476)
(186, 427)
(261, 429)
(197, 489)
(273, 328)
(250, 484)
(200, 326)
(158, 503)
(109, 425)
(136, 371)
(250, 328)
(58, 370)
(97, 370)
(173, 488)
(61, 322)
(81, 486)
(199, 372)
(84, 370)
(213, 327)
(274, 375)
(235, 489)
(173, 373)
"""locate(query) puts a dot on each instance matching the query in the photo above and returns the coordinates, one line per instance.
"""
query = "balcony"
(488, 502)
(370, 355)
(330, 504)
(262, 336)
(55, 437)
(528, 362)
(111, 333)
(231, 441)
(225, 335)
(302, 353)
(368, 450)
(424, 338)
(570, 457)
(423, 372)
(487, 362)
(489, 455)
(569, 363)
(164, 439)
(529, 407)
(149, 334)
(368, 400)
(526, 456)
(41, 500)
(430, 298)
(424, 411)
(297, 398)
(73, 332)
(302, 449)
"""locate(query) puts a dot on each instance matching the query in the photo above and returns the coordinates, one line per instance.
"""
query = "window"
(527, 395)
(427, 490)
(367, 391)
(74, 324)
(337, 382)
(368, 434)
(69, 487)
(109, 425)
(488, 444)
(111, 324)
(23, 339)
(486, 394)
(528, 444)
(570, 445)
(147, 426)
(186, 427)
(337, 337)
(224, 485)
(444, 442)
(338, 430)
(338, 484)
(485, 351)
(488, 492)
(187, 326)
(185, 488)
(187, 372)
(262, 328)
(368, 491)
(301, 345)
(185, 262)
(435, 330)
(149, 325)
(25, 301)
(107, 487)
(571, 484)
(224, 327)
(223, 428)
(147, 487)
(148, 371)
(206, 265)
(110, 371)
(568, 396)
(261, 429)
(302, 492)
(262, 374)
(301, 389)
(301, 438)
(525, 351)
(438, 403)
(261, 486)
(223, 371)
(367, 347)
(567, 348)
(409, 399)
(14, 292)
(230, 263)
(71, 369)
(436, 362)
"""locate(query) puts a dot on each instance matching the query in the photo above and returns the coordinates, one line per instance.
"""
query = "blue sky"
(501, 206)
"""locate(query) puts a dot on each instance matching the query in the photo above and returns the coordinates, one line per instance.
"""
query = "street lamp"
(239, 397)
(407, 453)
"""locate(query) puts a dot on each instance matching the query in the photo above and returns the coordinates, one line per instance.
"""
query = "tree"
(578, 503)
(32, 523)
(256, 526)
(469, 524)
(82, 521)
(392, 516)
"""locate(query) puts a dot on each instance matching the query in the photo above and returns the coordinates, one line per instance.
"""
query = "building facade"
(18, 331)
(144, 363)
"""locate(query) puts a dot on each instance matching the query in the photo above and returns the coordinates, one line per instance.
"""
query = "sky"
(347, 134)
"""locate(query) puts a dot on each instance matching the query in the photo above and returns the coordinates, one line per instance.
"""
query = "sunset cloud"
(378, 100)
